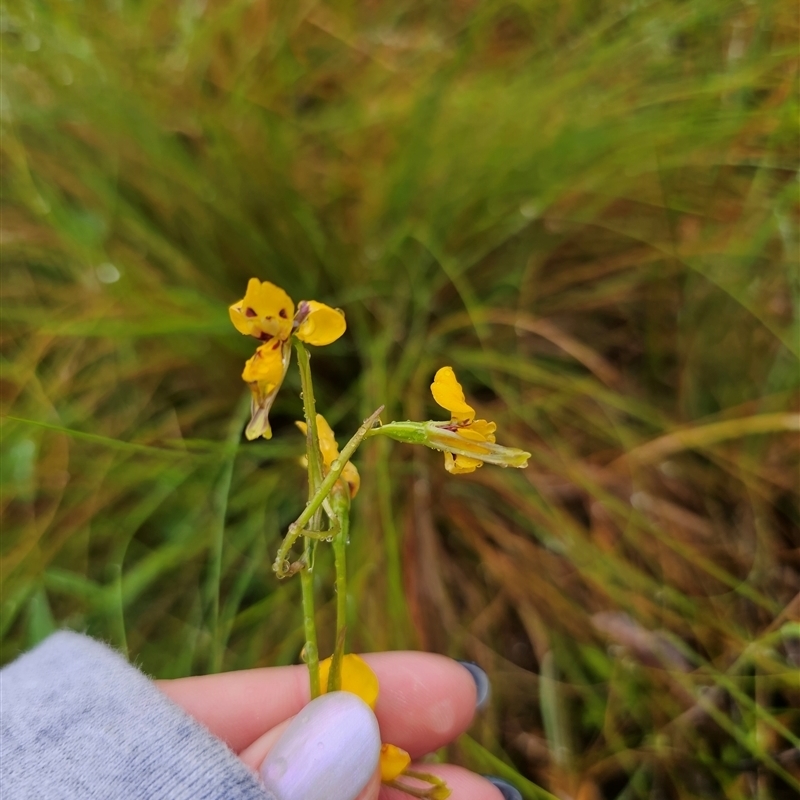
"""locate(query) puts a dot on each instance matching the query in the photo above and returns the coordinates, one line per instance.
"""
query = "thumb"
(329, 751)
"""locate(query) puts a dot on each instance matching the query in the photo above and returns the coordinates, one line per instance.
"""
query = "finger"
(238, 707)
(372, 789)
(463, 784)
(425, 700)
(256, 753)
(329, 751)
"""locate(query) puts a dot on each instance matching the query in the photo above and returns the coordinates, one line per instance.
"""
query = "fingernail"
(506, 789)
(329, 751)
(482, 684)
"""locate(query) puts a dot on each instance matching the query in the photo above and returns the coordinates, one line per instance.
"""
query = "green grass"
(588, 209)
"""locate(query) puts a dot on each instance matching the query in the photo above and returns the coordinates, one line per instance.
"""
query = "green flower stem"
(341, 506)
(309, 625)
(281, 565)
(310, 409)
(314, 458)
(408, 432)
(340, 561)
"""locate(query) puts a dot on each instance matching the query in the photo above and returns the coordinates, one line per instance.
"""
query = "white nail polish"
(329, 751)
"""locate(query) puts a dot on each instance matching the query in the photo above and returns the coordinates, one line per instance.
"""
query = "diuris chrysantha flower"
(267, 313)
(467, 443)
(359, 679)
(447, 392)
(330, 452)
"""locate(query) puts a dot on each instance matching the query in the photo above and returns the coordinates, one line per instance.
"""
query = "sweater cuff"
(78, 721)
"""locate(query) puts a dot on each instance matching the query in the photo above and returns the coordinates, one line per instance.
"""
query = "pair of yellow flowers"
(267, 313)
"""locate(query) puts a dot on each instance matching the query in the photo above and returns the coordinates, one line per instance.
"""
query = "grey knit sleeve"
(78, 721)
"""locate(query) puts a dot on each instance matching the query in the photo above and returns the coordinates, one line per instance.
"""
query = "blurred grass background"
(589, 209)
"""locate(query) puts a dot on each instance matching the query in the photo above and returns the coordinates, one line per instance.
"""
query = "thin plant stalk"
(341, 505)
(310, 409)
(340, 562)
(314, 482)
(309, 625)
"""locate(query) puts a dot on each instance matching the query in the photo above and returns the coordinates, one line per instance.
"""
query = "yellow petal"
(351, 478)
(357, 678)
(483, 428)
(460, 465)
(447, 392)
(327, 441)
(266, 365)
(271, 304)
(324, 674)
(264, 373)
(473, 441)
(266, 311)
(321, 324)
(330, 451)
(242, 323)
(394, 762)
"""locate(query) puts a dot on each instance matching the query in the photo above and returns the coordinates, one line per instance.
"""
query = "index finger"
(425, 700)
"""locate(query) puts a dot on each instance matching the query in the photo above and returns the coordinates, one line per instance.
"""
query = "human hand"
(425, 702)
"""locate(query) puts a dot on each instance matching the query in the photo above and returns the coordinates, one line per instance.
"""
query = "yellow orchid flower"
(267, 313)
(447, 392)
(359, 679)
(467, 443)
(330, 452)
